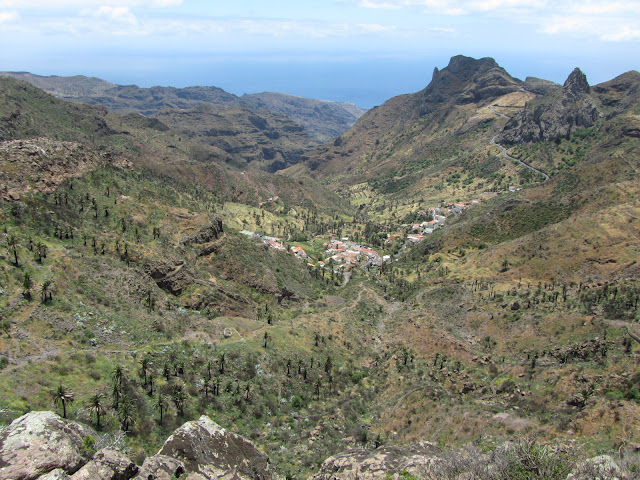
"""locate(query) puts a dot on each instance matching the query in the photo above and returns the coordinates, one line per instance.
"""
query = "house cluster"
(273, 242)
(343, 250)
(269, 200)
(276, 243)
(439, 215)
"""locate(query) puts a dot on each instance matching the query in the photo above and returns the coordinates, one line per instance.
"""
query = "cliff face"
(556, 114)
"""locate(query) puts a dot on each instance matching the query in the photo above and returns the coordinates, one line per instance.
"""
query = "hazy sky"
(360, 50)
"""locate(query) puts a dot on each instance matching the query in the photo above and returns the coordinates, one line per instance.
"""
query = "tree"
(63, 396)
(45, 290)
(96, 407)
(126, 414)
(221, 361)
(266, 339)
(117, 378)
(40, 251)
(12, 241)
(161, 405)
(328, 366)
(145, 363)
(27, 284)
(179, 397)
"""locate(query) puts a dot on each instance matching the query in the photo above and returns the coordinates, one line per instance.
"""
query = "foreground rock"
(205, 448)
(39, 442)
(382, 463)
(44, 446)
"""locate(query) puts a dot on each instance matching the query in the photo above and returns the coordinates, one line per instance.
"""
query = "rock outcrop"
(173, 277)
(40, 442)
(44, 446)
(211, 232)
(378, 464)
(555, 114)
(108, 465)
(205, 448)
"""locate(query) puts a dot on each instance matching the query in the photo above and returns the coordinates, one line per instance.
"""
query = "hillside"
(404, 293)
(323, 120)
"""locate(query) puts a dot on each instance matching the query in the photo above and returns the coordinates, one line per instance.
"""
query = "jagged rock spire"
(577, 83)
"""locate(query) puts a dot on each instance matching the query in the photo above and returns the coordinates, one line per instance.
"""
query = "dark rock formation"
(467, 80)
(576, 84)
(40, 442)
(211, 232)
(107, 465)
(555, 115)
(173, 278)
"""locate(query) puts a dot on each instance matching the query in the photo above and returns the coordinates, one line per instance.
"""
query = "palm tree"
(161, 405)
(145, 363)
(63, 396)
(221, 360)
(126, 414)
(40, 251)
(12, 241)
(179, 397)
(95, 406)
(45, 289)
(27, 283)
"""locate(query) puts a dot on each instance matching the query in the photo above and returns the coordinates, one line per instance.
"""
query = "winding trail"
(506, 155)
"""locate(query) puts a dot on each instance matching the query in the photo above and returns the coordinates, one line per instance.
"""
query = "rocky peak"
(467, 80)
(576, 83)
(461, 64)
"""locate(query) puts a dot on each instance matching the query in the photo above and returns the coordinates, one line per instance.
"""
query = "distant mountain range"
(323, 120)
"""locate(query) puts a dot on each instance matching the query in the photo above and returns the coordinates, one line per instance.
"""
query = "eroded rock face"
(211, 451)
(377, 464)
(173, 278)
(40, 442)
(211, 232)
(555, 115)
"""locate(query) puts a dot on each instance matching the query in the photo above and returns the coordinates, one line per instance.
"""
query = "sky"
(361, 51)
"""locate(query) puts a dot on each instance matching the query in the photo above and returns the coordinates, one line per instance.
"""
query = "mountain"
(448, 289)
(323, 120)
(242, 136)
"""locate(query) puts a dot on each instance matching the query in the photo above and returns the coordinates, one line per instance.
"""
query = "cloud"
(614, 21)
(58, 4)
(9, 16)
(117, 15)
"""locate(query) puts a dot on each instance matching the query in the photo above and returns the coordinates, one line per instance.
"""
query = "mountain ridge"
(323, 119)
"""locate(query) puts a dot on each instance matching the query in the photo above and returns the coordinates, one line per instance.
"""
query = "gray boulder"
(40, 442)
(379, 464)
(205, 448)
(107, 465)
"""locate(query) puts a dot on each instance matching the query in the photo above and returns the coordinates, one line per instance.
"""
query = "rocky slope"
(323, 120)
(42, 445)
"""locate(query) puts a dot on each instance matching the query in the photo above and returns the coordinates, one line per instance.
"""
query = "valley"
(455, 276)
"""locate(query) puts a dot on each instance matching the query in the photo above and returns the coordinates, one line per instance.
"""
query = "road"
(504, 150)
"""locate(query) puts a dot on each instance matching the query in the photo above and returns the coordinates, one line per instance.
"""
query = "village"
(343, 252)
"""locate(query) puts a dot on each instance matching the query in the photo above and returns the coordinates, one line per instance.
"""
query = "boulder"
(211, 451)
(41, 442)
(107, 465)
(57, 474)
(160, 467)
(381, 463)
